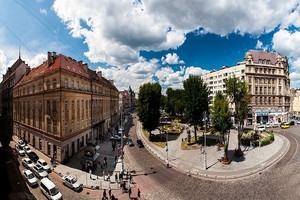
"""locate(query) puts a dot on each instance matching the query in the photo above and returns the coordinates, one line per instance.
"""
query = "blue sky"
(138, 41)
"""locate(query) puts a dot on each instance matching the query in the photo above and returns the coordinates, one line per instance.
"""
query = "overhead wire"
(51, 30)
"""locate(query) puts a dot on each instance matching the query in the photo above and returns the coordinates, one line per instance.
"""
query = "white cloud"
(195, 71)
(43, 11)
(259, 44)
(116, 30)
(171, 58)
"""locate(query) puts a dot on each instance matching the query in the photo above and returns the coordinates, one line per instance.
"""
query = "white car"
(27, 149)
(261, 128)
(115, 137)
(20, 150)
(275, 125)
(72, 182)
(44, 164)
(29, 177)
(27, 163)
(39, 171)
(21, 143)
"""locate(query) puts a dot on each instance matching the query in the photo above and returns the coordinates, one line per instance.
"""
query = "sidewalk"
(255, 159)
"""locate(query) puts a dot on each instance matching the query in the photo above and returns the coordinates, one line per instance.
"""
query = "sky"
(138, 41)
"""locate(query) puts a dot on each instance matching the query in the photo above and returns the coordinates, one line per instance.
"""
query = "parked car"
(285, 125)
(292, 122)
(39, 171)
(44, 164)
(33, 156)
(21, 143)
(275, 125)
(20, 150)
(130, 142)
(115, 137)
(261, 128)
(29, 177)
(72, 182)
(27, 163)
(140, 143)
(27, 149)
(49, 189)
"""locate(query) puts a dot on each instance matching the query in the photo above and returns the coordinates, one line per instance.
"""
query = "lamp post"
(167, 149)
(204, 152)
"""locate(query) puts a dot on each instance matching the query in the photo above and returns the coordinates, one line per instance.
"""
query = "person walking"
(109, 193)
(104, 193)
(139, 193)
(116, 177)
(129, 192)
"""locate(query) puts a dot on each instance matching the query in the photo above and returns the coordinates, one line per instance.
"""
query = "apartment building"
(267, 77)
(10, 79)
(61, 105)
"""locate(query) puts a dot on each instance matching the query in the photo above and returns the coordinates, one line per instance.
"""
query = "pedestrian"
(116, 157)
(109, 192)
(129, 192)
(108, 176)
(113, 197)
(139, 193)
(104, 193)
(116, 177)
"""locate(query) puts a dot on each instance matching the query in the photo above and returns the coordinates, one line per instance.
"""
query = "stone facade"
(61, 105)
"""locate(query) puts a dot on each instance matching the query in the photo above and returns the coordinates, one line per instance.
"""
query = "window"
(260, 61)
(78, 115)
(250, 79)
(260, 100)
(82, 113)
(72, 84)
(33, 113)
(256, 90)
(54, 83)
(40, 86)
(27, 90)
(279, 81)
(66, 83)
(40, 114)
(72, 115)
(48, 125)
(279, 90)
(260, 90)
(33, 89)
(269, 81)
(54, 128)
(66, 118)
(273, 71)
(48, 108)
(48, 84)
(77, 85)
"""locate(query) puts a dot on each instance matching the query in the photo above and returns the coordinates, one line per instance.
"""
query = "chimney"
(50, 59)
(54, 54)
(112, 82)
(99, 73)
(80, 62)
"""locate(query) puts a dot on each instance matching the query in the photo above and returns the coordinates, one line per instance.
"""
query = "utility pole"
(167, 150)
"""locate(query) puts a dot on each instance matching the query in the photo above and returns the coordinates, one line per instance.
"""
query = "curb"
(226, 177)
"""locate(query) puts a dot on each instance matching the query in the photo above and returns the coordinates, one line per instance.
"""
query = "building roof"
(263, 55)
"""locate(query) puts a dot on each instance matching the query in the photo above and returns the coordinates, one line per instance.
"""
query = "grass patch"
(160, 144)
(193, 145)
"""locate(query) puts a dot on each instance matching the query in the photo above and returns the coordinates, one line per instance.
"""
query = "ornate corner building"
(267, 77)
(61, 105)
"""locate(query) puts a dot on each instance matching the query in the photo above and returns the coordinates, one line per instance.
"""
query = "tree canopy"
(196, 100)
(148, 105)
(236, 90)
(221, 119)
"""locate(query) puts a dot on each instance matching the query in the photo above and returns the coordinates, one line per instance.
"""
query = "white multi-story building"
(267, 77)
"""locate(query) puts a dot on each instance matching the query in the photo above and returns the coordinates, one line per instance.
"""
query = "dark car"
(140, 143)
(32, 155)
(292, 122)
(130, 143)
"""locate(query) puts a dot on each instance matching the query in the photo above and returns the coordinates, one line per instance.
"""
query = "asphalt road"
(281, 181)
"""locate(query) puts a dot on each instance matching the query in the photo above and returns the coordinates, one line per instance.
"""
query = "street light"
(167, 149)
(204, 152)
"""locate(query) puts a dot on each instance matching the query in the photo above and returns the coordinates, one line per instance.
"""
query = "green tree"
(221, 119)
(174, 104)
(196, 101)
(132, 96)
(148, 106)
(236, 90)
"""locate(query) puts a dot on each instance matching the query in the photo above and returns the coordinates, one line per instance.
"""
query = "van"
(49, 189)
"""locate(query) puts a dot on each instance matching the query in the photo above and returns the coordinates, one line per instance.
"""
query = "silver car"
(29, 177)
(39, 171)
(27, 163)
(44, 164)
(72, 182)
(20, 150)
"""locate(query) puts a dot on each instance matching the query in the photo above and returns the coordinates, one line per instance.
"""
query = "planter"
(238, 152)
(225, 161)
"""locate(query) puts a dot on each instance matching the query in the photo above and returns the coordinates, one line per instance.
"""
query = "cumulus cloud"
(115, 31)
(287, 43)
(171, 58)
